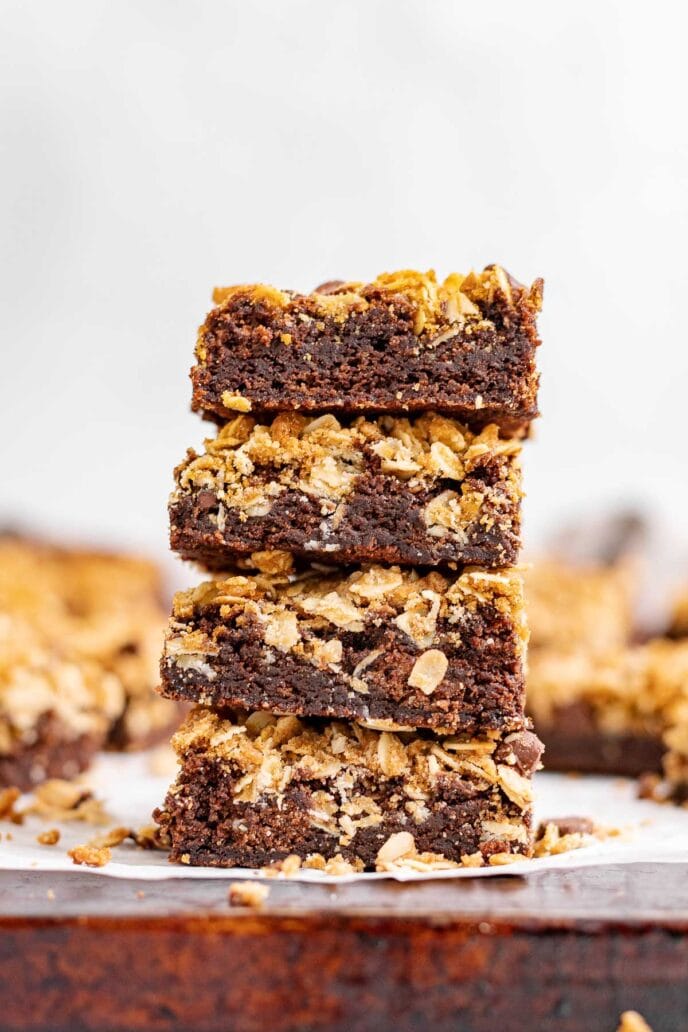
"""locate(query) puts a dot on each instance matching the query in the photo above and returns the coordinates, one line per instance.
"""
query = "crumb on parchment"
(49, 838)
(90, 856)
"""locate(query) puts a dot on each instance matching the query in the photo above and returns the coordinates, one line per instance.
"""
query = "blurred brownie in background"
(92, 627)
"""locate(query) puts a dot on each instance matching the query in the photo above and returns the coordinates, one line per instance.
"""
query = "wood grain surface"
(563, 951)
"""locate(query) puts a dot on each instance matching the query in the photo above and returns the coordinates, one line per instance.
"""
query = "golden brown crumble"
(90, 856)
(639, 689)
(297, 613)
(49, 838)
(438, 307)
(80, 634)
(550, 841)
(114, 837)
(248, 894)
(8, 799)
(579, 608)
(323, 458)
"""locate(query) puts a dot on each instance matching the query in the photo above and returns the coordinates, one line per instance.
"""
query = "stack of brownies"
(357, 664)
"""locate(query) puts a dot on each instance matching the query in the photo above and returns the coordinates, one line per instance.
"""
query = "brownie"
(575, 741)
(424, 491)
(615, 712)
(54, 712)
(51, 751)
(418, 649)
(403, 343)
(255, 789)
(100, 611)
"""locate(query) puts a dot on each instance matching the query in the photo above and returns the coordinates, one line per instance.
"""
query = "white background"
(151, 150)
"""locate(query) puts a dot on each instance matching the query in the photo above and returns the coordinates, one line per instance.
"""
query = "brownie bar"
(54, 712)
(422, 491)
(101, 611)
(612, 713)
(378, 644)
(403, 343)
(254, 790)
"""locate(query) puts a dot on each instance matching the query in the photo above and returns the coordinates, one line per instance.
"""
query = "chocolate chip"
(206, 500)
(523, 749)
(570, 825)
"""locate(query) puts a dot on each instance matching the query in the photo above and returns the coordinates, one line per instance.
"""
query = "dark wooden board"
(563, 951)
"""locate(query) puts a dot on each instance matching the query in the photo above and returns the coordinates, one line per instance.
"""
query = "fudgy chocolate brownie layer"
(53, 753)
(253, 791)
(574, 742)
(380, 644)
(403, 343)
(422, 491)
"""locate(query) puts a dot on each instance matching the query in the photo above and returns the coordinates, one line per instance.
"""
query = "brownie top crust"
(272, 751)
(404, 342)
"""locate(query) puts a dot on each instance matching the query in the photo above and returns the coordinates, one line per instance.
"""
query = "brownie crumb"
(551, 842)
(49, 838)
(90, 856)
(570, 825)
(248, 894)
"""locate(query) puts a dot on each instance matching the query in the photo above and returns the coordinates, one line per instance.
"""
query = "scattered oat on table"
(49, 838)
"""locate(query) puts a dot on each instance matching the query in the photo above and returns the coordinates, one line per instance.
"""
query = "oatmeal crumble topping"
(247, 466)
(299, 612)
(438, 307)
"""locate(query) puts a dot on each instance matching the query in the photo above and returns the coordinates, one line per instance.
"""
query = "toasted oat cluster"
(333, 788)
(381, 644)
(415, 491)
(404, 342)
(100, 618)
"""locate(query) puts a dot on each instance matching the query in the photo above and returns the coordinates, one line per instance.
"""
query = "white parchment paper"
(649, 831)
